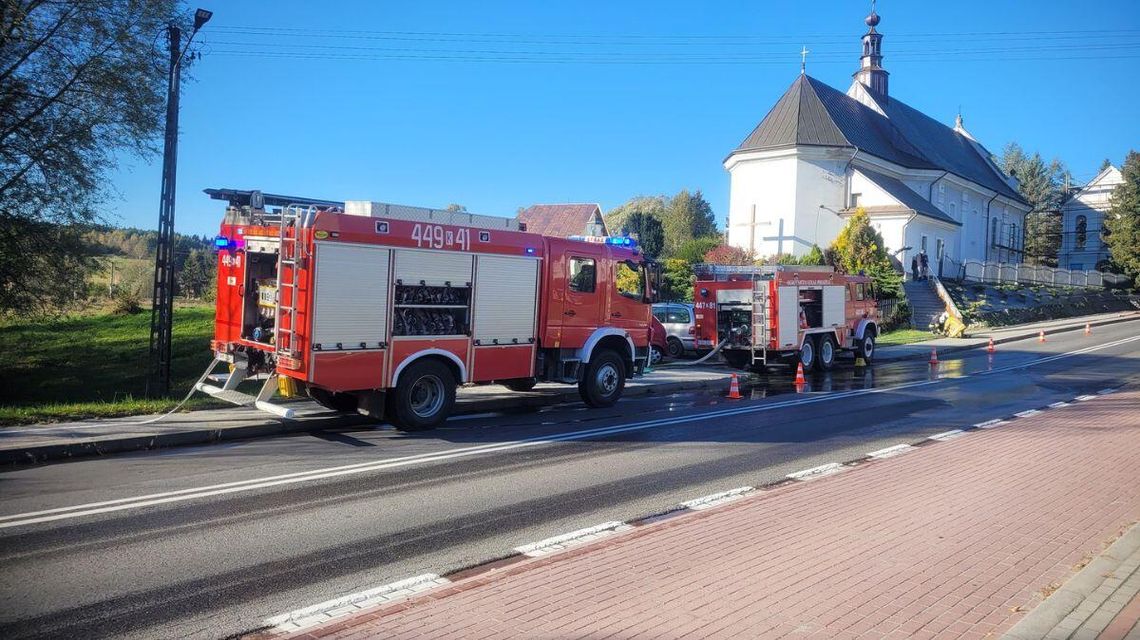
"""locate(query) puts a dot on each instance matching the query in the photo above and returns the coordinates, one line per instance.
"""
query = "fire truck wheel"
(423, 397)
(604, 380)
(866, 347)
(675, 348)
(807, 353)
(825, 358)
(342, 402)
(520, 384)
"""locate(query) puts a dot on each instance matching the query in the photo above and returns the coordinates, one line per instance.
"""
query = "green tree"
(1122, 221)
(730, 255)
(649, 205)
(197, 274)
(676, 280)
(81, 82)
(650, 233)
(1042, 185)
(859, 248)
(687, 216)
(693, 251)
(456, 208)
(1106, 163)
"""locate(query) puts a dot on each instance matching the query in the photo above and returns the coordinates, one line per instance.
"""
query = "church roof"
(812, 113)
(906, 196)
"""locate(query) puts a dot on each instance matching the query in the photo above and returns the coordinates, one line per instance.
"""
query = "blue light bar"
(624, 241)
(616, 241)
(222, 242)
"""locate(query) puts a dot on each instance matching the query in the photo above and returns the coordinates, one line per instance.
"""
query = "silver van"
(677, 317)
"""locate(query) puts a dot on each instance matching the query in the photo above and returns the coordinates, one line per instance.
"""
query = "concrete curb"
(1012, 338)
(97, 446)
(1040, 621)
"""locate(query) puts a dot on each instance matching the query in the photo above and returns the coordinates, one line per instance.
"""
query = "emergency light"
(617, 241)
(222, 243)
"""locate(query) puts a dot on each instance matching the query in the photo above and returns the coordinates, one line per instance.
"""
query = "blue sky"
(497, 105)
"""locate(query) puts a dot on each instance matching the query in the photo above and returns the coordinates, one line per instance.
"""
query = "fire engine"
(385, 309)
(761, 315)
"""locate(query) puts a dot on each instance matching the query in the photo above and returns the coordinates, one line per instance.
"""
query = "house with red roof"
(562, 220)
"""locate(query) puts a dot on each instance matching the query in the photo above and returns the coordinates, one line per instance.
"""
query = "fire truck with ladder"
(385, 309)
(768, 314)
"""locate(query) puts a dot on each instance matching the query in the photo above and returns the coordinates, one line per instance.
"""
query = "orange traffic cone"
(1041, 336)
(734, 389)
(933, 356)
(800, 374)
(1088, 328)
(991, 348)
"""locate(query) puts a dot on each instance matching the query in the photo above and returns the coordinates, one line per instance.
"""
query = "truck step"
(233, 397)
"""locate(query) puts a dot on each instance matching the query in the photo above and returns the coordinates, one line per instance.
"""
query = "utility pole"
(162, 308)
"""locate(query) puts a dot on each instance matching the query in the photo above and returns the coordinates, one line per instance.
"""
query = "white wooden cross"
(803, 60)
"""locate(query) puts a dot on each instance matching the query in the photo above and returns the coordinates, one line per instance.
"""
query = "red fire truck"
(761, 315)
(385, 309)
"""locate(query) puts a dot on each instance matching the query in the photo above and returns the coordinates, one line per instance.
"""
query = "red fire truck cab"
(761, 315)
(386, 309)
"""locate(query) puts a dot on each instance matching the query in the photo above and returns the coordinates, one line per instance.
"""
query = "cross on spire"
(803, 60)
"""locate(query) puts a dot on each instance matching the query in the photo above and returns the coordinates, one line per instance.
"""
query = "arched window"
(1082, 231)
(953, 211)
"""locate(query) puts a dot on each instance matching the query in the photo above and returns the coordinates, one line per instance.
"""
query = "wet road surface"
(209, 541)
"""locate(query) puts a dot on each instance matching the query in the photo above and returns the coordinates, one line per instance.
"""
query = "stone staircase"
(924, 303)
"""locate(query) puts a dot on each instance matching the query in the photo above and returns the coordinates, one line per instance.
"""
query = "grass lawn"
(903, 336)
(95, 365)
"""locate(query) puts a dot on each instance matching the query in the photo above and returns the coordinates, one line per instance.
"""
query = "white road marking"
(948, 435)
(574, 538)
(1058, 405)
(324, 611)
(890, 452)
(106, 506)
(1105, 392)
(712, 500)
(1085, 398)
(990, 424)
(831, 468)
(1027, 413)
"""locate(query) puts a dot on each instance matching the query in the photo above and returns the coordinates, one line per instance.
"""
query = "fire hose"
(720, 345)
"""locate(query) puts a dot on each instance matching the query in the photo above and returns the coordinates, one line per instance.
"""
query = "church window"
(922, 245)
(1082, 231)
(953, 211)
(941, 192)
(993, 232)
(940, 249)
(856, 200)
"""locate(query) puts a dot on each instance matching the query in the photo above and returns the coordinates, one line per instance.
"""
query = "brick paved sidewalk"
(957, 539)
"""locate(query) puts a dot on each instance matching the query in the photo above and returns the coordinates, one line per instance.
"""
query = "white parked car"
(678, 319)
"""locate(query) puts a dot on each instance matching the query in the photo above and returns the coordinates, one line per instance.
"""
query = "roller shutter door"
(506, 291)
(434, 268)
(350, 296)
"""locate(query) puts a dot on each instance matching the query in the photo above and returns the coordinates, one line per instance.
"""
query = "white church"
(820, 153)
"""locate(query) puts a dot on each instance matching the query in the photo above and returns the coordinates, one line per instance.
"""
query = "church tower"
(871, 73)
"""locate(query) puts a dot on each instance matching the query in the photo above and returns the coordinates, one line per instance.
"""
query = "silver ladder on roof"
(760, 329)
(289, 255)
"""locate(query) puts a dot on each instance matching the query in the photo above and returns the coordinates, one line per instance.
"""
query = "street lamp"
(162, 308)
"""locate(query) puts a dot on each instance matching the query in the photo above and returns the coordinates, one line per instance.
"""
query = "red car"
(658, 341)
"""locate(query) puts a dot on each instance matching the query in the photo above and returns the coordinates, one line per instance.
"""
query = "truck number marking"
(434, 236)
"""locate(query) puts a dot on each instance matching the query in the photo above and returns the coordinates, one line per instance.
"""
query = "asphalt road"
(207, 542)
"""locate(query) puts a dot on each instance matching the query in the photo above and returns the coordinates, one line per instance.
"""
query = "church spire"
(871, 73)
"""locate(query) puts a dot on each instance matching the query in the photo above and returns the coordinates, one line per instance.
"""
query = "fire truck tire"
(807, 354)
(341, 402)
(865, 347)
(520, 384)
(826, 349)
(675, 347)
(604, 380)
(423, 397)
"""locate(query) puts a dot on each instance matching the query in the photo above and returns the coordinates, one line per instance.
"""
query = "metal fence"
(980, 271)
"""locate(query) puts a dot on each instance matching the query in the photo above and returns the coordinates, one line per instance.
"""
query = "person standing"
(924, 264)
(914, 267)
